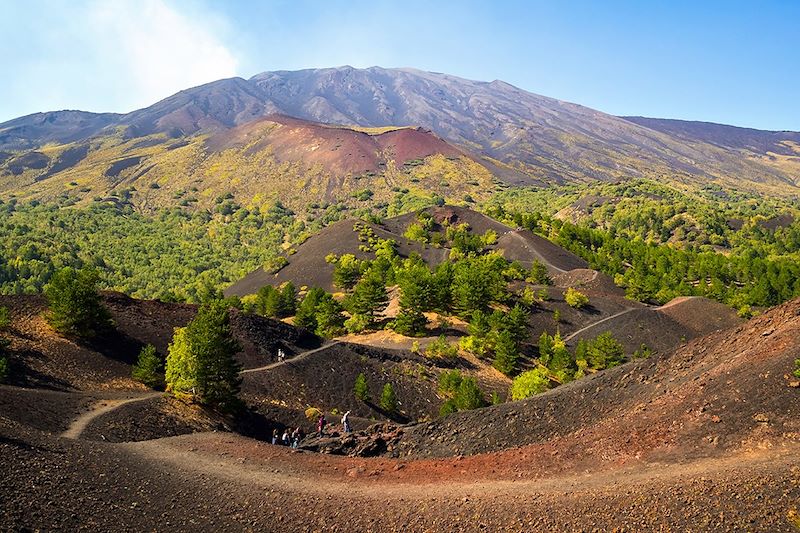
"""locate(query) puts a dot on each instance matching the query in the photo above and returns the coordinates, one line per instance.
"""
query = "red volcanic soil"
(338, 149)
(705, 438)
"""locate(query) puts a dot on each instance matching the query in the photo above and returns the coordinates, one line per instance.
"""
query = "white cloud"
(154, 50)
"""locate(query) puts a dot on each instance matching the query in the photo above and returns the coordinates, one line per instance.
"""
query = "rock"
(761, 418)
(794, 384)
(355, 472)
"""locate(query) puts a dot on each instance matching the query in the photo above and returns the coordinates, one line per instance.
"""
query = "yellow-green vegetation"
(441, 348)
(157, 171)
(171, 255)
(575, 298)
(530, 383)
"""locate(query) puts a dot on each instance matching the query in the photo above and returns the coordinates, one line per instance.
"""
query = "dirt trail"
(240, 461)
(299, 357)
(673, 302)
(518, 236)
(98, 409)
(593, 324)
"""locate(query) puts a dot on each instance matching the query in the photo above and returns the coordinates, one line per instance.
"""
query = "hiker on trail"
(321, 423)
(346, 422)
(281, 355)
(275, 436)
(285, 438)
(297, 435)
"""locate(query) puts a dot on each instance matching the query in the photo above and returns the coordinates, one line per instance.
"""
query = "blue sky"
(730, 62)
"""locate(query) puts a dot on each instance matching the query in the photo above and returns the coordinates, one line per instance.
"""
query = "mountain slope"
(523, 138)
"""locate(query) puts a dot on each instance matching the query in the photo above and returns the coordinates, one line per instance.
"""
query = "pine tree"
(388, 399)
(369, 296)
(410, 322)
(147, 369)
(212, 342)
(361, 389)
(201, 359)
(306, 316)
(329, 317)
(545, 348)
(75, 308)
(506, 353)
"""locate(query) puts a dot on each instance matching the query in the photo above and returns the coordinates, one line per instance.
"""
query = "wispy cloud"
(157, 49)
(108, 55)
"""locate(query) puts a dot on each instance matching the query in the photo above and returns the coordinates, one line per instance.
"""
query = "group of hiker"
(287, 439)
(293, 439)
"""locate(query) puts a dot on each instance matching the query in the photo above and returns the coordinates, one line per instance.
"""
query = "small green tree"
(147, 369)
(539, 274)
(306, 316)
(605, 351)
(411, 322)
(369, 296)
(5, 318)
(346, 272)
(529, 383)
(329, 317)
(797, 368)
(545, 348)
(575, 298)
(360, 388)
(75, 308)
(506, 353)
(181, 367)
(469, 395)
(388, 399)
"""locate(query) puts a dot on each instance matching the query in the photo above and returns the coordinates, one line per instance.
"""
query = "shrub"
(74, 304)
(469, 395)
(388, 399)
(147, 369)
(575, 298)
(312, 413)
(797, 368)
(360, 388)
(529, 383)
(441, 349)
(643, 352)
(357, 323)
(5, 318)
(449, 382)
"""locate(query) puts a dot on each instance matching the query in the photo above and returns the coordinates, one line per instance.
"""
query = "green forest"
(656, 241)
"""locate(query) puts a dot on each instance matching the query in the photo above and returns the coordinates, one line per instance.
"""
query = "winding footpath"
(99, 408)
(296, 358)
